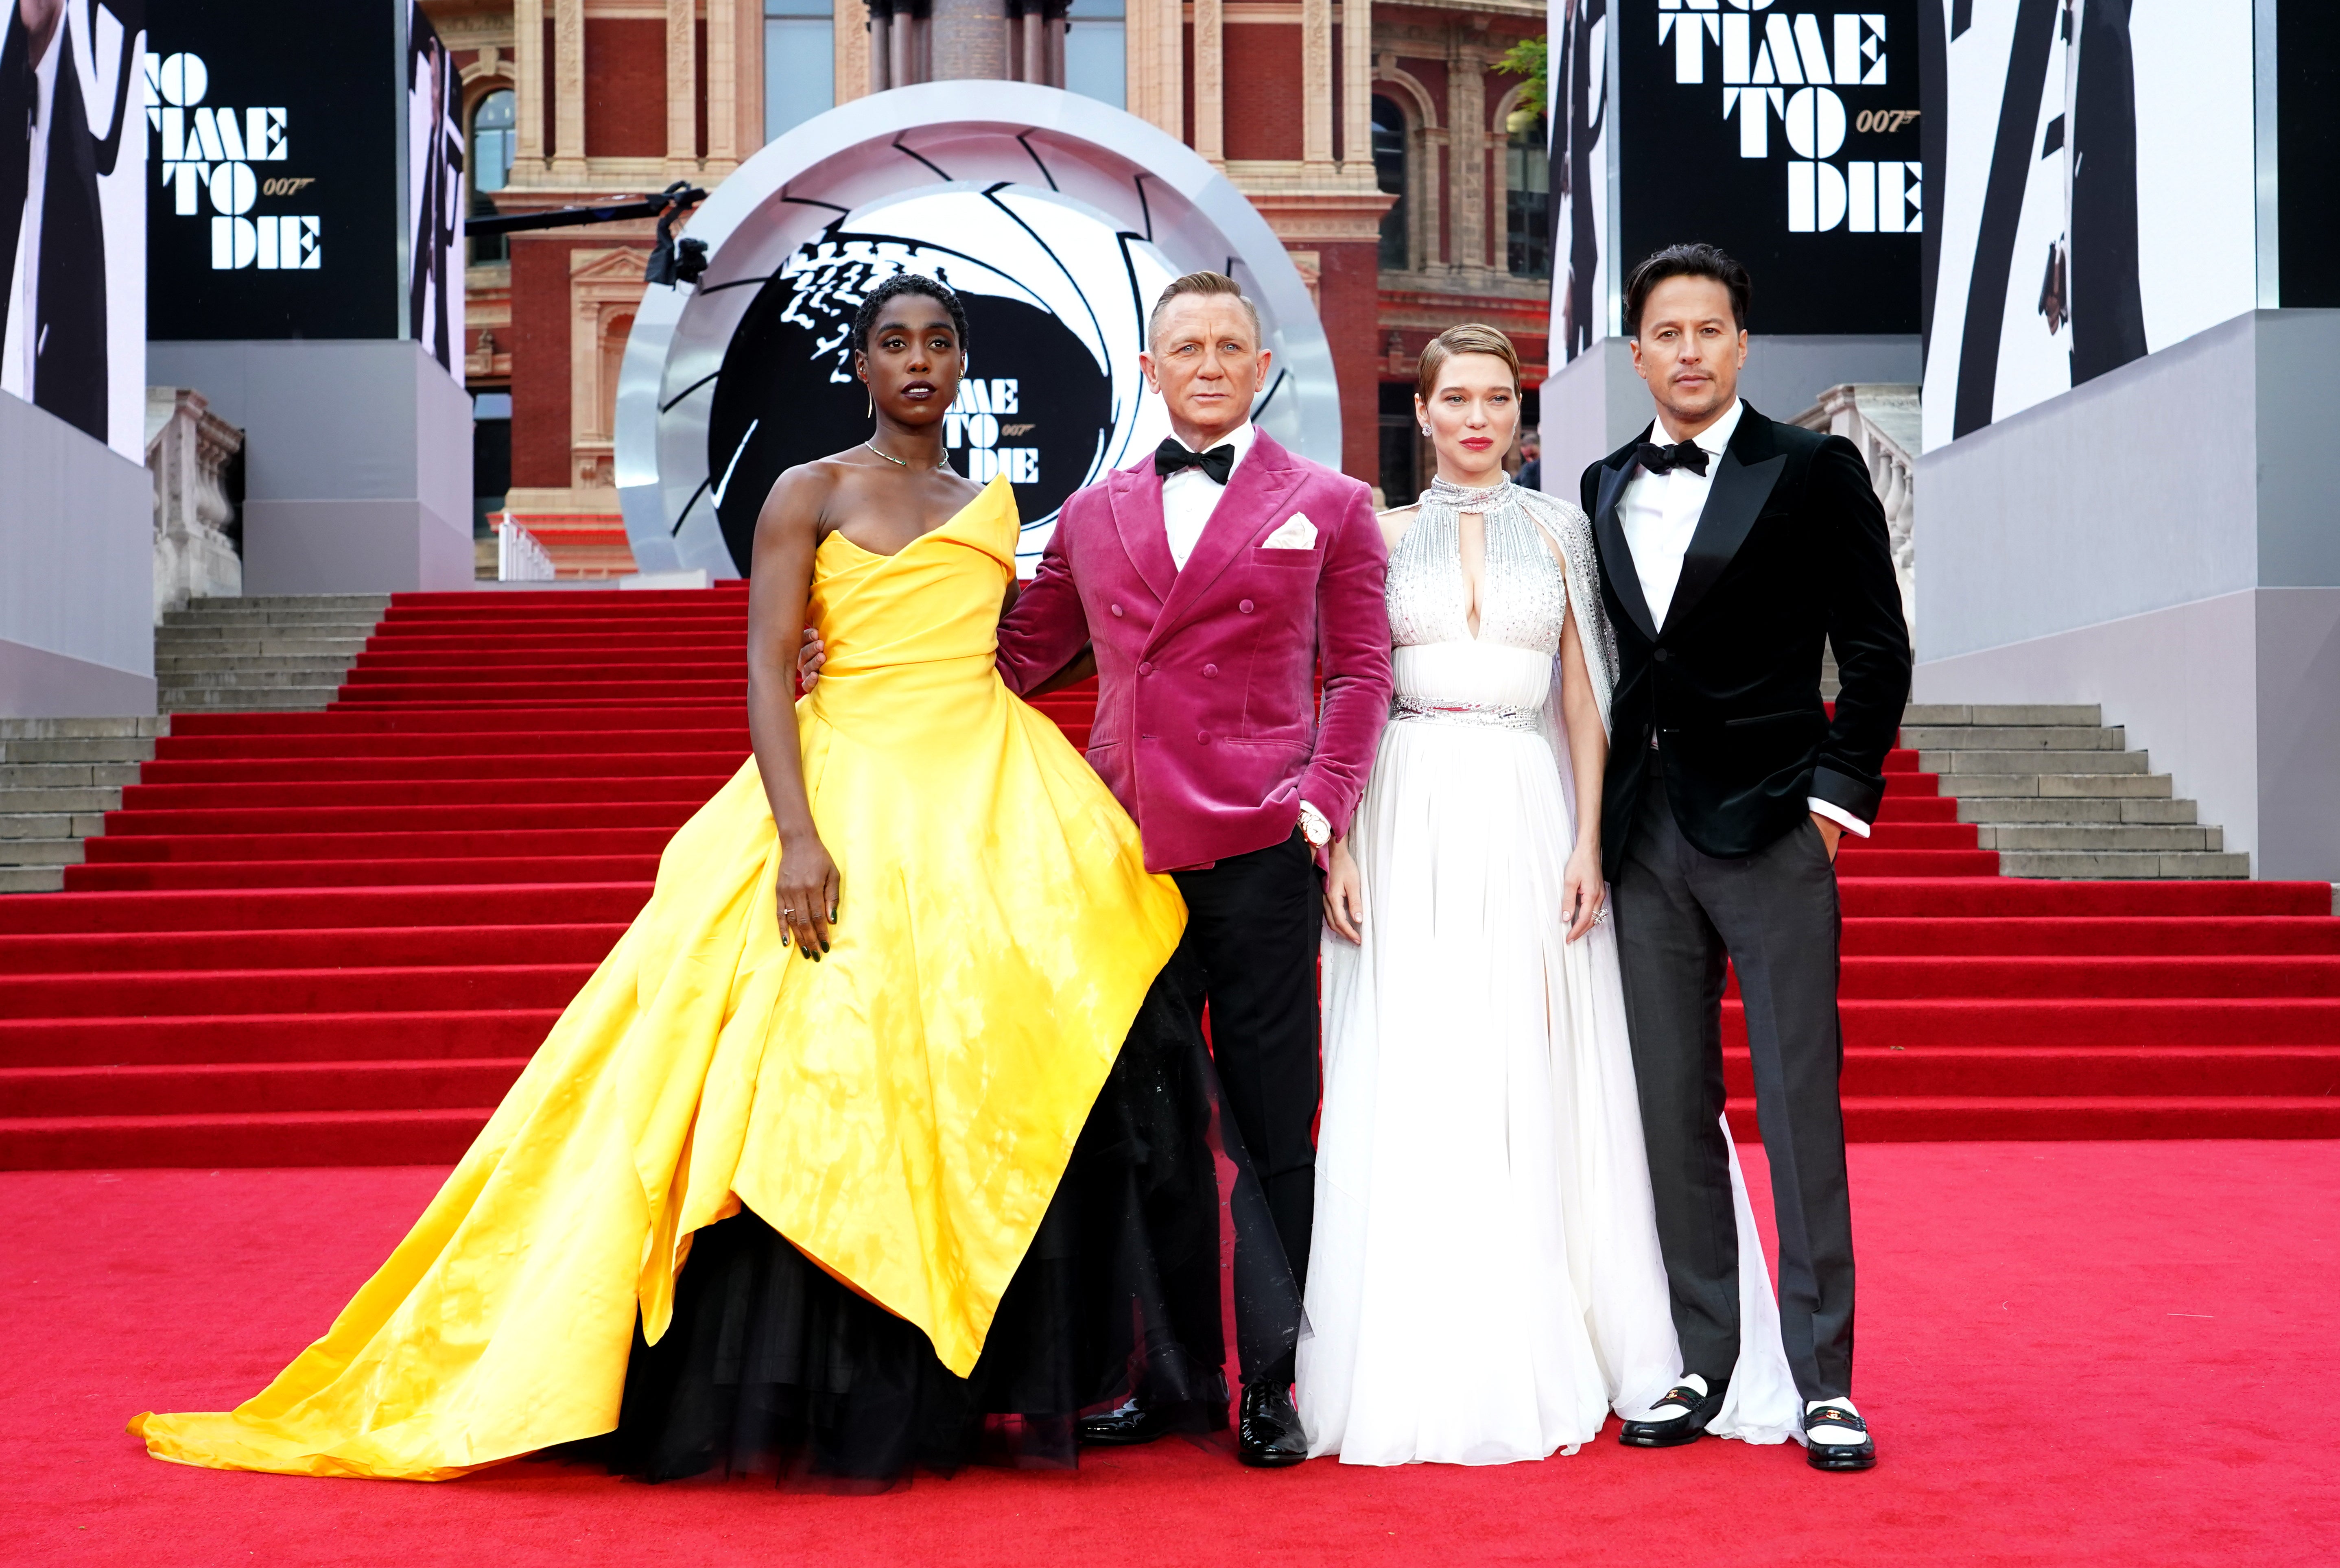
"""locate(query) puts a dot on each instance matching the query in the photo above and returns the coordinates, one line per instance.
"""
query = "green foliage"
(1526, 59)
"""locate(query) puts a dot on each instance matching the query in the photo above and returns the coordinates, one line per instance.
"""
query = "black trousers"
(1680, 912)
(1252, 928)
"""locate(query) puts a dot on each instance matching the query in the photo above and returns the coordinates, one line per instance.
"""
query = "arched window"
(1096, 50)
(1389, 176)
(799, 61)
(489, 162)
(1527, 187)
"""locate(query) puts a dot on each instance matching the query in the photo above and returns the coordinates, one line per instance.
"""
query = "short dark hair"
(1685, 261)
(865, 320)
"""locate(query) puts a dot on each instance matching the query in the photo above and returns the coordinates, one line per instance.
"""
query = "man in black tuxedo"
(1734, 548)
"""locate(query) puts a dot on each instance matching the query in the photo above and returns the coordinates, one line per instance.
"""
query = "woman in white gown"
(1486, 1285)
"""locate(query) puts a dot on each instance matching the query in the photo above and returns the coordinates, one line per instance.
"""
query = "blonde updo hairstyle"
(1471, 337)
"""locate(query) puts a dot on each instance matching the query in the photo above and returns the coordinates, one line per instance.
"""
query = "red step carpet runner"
(334, 938)
(2170, 1298)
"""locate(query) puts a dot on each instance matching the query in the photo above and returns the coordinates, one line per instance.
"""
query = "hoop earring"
(871, 399)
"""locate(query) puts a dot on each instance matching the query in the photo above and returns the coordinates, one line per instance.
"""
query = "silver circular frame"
(969, 133)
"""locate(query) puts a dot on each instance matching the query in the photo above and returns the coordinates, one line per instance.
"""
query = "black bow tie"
(1174, 454)
(1658, 459)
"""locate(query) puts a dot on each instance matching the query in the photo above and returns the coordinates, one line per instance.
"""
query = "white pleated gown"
(1486, 1284)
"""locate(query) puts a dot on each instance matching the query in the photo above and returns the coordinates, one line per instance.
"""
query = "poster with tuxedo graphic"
(434, 195)
(1577, 117)
(2093, 162)
(73, 215)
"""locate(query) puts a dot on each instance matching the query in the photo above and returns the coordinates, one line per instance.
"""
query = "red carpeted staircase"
(334, 937)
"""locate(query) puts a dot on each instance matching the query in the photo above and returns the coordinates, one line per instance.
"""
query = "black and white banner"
(1577, 91)
(1787, 136)
(308, 174)
(2093, 166)
(434, 195)
(73, 215)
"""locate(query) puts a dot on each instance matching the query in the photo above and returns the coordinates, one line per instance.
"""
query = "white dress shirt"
(1659, 512)
(1190, 496)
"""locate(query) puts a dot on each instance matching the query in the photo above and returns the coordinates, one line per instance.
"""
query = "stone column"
(1316, 82)
(1210, 79)
(851, 25)
(682, 82)
(1357, 83)
(1157, 63)
(735, 98)
(528, 85)
(969, 40)
(568, 89)
(1467, 157)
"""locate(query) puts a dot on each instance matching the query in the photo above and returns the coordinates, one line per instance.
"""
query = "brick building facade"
(1383, 157)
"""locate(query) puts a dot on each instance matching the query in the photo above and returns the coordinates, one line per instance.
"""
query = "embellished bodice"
(1523, 599)
(1441, 673)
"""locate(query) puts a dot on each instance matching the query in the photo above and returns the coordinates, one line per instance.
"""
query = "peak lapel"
(1625, 577)
(1251, 504)
(1135, 494)
(1743, 483)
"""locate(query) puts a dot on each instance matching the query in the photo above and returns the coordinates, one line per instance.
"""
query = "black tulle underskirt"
(770, 1366)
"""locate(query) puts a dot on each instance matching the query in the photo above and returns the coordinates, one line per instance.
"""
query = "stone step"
(252, 682)
(82, 728)
(2109, 866)
(40, 852)
(87, 798)
(337, 628)
(2121, 837)
(18, 827)
(31, 879)
(257, 699)
(2063, 785)
(200, 617)
(2071, 809)
(77, 749)
(189, 666)
(378, 601)
(292, 645)
(2081, 715)
(1964, 762)
(66, 775)
(251, 672)
(2011, 738)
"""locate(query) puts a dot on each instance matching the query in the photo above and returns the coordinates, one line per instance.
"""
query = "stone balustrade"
(1881, 419)
(188, 449)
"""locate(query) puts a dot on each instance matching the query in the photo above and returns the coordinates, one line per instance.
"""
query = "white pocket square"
(1297, 533)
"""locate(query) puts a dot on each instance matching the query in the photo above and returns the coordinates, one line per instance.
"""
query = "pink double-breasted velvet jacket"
(1207, 725)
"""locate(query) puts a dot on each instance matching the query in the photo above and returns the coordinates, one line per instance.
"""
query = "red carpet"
(2072, 1352)
(334, 937)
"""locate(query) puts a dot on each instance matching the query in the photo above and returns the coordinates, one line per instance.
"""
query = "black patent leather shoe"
(1128, 1423)
(1674, 1430)
(1267, 1430)
(1860, 1455)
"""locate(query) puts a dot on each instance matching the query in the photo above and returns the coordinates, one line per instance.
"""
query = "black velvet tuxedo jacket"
(1789, 555)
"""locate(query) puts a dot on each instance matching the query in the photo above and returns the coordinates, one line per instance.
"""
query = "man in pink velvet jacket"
(1212, 582)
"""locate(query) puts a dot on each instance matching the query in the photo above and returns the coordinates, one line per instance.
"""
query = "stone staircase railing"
(188, 449)
(1881, 419)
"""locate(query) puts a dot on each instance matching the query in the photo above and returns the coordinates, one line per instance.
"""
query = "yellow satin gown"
(902, 1111)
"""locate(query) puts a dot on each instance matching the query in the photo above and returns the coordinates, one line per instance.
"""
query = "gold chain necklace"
(898, 462)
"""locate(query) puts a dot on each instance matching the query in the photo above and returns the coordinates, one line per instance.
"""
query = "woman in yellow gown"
(839, 1064)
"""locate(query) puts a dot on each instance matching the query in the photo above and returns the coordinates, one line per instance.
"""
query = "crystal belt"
(1492, 716)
